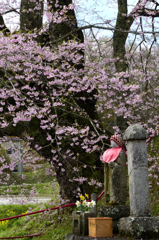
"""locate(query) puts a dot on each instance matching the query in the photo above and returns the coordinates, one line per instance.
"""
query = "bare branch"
(153, 28)
(153, 1)
(133, 41)
(104, 28)
(143, 36)
(100, 55)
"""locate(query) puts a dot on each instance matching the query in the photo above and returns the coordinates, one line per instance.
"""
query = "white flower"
(78, 203)
(91, 204)
(84, 203)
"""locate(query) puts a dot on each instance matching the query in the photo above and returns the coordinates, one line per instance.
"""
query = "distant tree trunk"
(58, 31)
(123, 24)
(30, 18)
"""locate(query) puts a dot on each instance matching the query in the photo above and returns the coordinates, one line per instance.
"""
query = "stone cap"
(135, 132)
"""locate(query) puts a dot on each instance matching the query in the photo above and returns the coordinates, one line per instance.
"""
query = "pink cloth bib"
(111, 154)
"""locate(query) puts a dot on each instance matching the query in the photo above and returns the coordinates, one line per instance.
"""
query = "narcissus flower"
(84, 203)
(82, 197)
(91, 204)
(87, 195)
(78, 203)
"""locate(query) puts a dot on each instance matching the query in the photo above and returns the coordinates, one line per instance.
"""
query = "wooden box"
(100, 227)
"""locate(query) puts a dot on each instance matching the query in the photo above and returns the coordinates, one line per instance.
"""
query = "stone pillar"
(136, 136)
(139, 223)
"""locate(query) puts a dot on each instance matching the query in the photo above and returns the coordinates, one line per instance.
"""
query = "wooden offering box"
(100, 227)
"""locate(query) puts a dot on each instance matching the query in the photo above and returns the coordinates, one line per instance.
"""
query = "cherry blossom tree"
(48, 101)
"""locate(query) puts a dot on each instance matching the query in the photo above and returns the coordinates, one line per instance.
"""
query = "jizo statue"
(115, 180)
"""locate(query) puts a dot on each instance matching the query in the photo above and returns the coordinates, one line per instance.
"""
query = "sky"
(107, 10)
(94, 11)
(88, 12)
(97, 11)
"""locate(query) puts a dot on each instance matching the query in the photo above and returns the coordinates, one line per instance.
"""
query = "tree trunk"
(31, 14)
(123, 24)
(57, 31)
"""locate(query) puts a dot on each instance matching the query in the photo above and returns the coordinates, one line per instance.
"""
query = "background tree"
(39, 92)
(124, 21)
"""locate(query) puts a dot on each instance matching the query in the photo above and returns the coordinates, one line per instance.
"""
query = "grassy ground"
(35, 179)
(55, 224)
(41, 188)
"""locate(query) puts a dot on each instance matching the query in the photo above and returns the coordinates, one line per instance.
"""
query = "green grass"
(41, 188)
(39, 175)
(55, 224)
(154, 196)
(36, 179)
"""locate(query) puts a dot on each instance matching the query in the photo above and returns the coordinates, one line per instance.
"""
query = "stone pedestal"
(139, 227)
(80, 222)
(75, 237)
(115, 212)
(140, 223)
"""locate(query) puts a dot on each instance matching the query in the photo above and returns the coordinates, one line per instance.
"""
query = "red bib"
(111, 154)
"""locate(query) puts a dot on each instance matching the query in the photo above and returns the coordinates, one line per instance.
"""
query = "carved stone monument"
(139, 223)
(115, 182)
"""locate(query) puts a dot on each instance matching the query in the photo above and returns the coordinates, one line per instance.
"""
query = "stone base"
(75, 237)
(139, 227)
(116, 212)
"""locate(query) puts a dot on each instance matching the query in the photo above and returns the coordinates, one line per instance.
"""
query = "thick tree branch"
(141, 10)
(3, 27)
(10, 11)
(146, 12)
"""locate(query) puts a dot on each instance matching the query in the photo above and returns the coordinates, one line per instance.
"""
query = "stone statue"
(115, 180)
